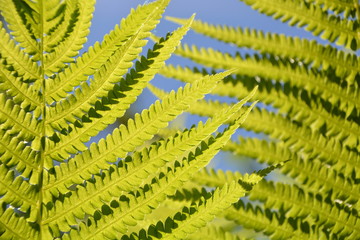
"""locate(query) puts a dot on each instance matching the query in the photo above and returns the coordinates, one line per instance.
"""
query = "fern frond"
(18, 19)
(348, 7)
(14, 152)
(54, 12)
(15, 56)
(131, 175)
(193, 217)
(311, 207)
(313, 144)
(13, 227)
(346, 65)
(312, 174)
(190, 219)
(213, 178)
(214, 233)
(53, 101)
(79, 135)
(317, 21)
(219, 201)
(269, 222)
(296, 103)
(126, 139)
(74, 107)
(165, 186)
(69, 48)
(320, 83)
(22, 93)
(61, 25)
(192, 193)
(15, 121)
(311, 121)
(201, 107)
(206, 107)
(97, 116)
(146, 17)
(30, 14)
(16, 191)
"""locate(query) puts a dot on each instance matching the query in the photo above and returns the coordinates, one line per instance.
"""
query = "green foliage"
(53, 100)
(310, 116)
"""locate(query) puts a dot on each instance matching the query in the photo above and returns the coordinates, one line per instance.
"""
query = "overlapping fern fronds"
(314, 118)
(53, 100)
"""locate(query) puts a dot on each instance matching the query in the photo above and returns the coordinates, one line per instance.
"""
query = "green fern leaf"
(287, 99)
(195, 216)
(296, 203)
(15, 56)
(317, 21)
(74, 40)
(60, 17)
(53, 101)
(314, 175)
(348, 7)
(13, 227)
(213, 232)
(130, 87)
(18, 193)
(21, 92)
(98, 54)
(261, 120)
(307, 117)
(24, 30)
(346, 65)
(15, 120)
(15, 153)
(270, 222)
(125, 139)
(320, 83)
(158, 155)
(165, 186)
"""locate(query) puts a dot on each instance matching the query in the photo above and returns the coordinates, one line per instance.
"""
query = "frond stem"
(43, 115)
